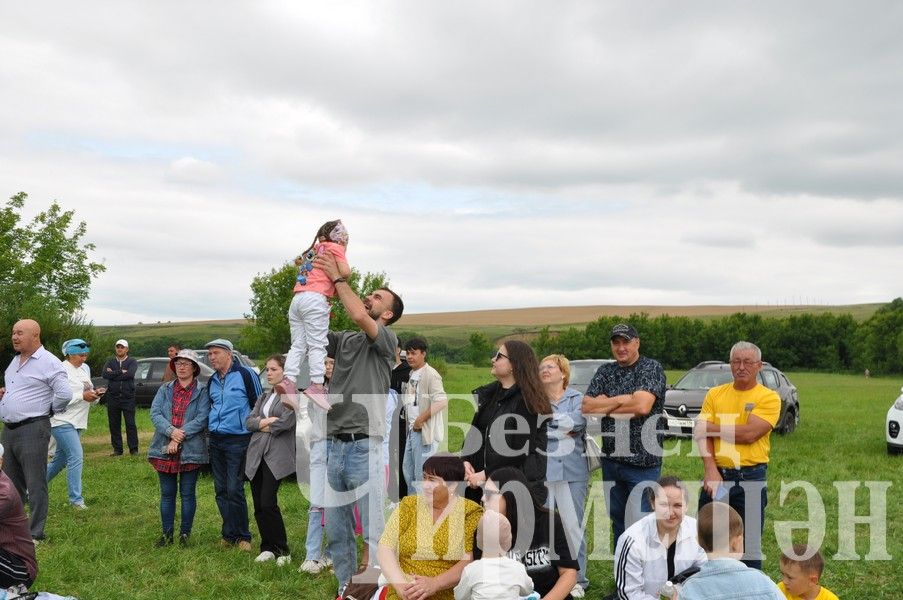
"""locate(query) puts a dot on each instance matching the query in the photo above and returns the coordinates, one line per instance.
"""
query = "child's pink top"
(317, 280)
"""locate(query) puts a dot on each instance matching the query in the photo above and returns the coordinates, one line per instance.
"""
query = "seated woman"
(18, 564)
(428, 540)
(533, 527)
(179, 446)
(658, 546)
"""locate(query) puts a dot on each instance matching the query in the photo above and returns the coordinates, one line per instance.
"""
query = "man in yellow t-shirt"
(733, 436)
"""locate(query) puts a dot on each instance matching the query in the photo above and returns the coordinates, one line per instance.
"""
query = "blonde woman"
(567, 474)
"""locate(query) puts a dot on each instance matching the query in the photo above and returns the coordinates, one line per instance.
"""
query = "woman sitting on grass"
(418, 563)
(540, 542)
(179, 447)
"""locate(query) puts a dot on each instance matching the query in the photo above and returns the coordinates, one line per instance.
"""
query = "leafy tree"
(880, 348)
(271, 296)
(479, 350)
(45, 273)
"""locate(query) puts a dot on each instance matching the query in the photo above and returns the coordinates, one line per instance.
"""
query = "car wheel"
(894, 450)
(791, 420)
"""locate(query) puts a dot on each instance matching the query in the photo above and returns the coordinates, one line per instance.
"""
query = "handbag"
(593, 453)
(363, 585)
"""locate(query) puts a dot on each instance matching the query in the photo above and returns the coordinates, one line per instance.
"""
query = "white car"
(894, 421)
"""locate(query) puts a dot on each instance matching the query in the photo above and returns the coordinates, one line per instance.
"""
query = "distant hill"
(578, 315)
(454, 328)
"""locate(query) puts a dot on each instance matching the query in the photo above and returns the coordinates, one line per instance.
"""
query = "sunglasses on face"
(499, 355)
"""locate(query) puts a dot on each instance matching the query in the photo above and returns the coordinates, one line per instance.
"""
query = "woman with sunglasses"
(179, 447)
(66, 428)
(567, 474)
(510, 426)
(551, 566)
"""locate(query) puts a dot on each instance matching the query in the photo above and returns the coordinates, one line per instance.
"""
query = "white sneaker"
(578, 591)
(326, 562)
(284, 560)
(265, 556)
(310, 566)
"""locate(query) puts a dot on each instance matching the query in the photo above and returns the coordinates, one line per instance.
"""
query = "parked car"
(242, 358)
(582, 372)
(149, 378)
(683, 400)
(894, 420)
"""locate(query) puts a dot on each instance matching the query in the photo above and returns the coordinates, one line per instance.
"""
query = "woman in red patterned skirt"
(179, 447)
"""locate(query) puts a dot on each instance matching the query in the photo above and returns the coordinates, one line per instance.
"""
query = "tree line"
(822, 342)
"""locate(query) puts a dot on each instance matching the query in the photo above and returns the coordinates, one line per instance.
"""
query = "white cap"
(122, 343)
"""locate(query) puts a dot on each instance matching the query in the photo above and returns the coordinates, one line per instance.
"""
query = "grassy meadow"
(107, 551)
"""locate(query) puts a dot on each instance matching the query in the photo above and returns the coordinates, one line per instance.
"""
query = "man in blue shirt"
(36, 387)
(233, 390)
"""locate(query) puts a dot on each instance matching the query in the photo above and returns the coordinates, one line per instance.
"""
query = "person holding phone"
(67, 427)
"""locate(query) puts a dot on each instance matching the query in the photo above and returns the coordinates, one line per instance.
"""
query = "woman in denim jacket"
(179, 446)
(567, 474)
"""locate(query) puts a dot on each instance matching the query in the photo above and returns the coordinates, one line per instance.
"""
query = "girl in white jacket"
(658, 546)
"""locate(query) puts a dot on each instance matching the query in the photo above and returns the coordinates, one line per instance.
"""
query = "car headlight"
(899, 403)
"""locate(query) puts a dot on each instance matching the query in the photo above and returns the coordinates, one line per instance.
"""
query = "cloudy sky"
(482, 154)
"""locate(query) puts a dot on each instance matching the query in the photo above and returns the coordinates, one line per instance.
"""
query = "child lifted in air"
(308, 315)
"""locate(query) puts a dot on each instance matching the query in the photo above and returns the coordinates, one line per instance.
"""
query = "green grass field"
(107, 551)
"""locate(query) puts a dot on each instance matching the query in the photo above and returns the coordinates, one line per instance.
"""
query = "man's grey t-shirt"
(363, 370)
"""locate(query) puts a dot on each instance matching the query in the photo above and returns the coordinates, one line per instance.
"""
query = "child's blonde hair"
(808, 559)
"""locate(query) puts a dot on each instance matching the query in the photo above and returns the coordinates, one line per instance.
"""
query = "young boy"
(799, 577)
(494, 576)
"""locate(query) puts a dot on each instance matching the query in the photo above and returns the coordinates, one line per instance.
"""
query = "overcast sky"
(482, 154)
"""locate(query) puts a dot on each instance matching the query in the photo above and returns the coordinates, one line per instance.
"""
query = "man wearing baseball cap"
(233, 389)
(120, 375)
(625, 395)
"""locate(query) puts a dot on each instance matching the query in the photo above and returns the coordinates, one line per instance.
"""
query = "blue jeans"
(313, 545)
(68, 455)
(746, 485)
(186, 482)
(623, 478)
(415, 454)
(574, 493)
(227, 461)
(354, 468)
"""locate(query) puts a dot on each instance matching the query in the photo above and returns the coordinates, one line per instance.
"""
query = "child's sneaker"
(288, 393)
(310, 566)
(318, 394)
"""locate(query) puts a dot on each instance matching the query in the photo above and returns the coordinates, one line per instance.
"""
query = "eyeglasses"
(744, 363)
(548, 367)
(498, 355)
(184, 363)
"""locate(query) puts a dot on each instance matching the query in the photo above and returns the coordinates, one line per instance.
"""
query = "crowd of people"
(504, 519)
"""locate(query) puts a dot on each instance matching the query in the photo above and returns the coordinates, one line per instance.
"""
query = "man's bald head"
(26, 336)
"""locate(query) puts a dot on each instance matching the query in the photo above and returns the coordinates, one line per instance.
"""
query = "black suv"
(683, 400)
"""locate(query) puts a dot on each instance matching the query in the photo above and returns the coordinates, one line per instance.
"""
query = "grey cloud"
(534, 95)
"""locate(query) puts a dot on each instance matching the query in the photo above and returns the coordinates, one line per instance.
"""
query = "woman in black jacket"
(510, 426)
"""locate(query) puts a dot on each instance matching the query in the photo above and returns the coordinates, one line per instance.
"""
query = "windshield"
(582, 373)
(703, 380)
